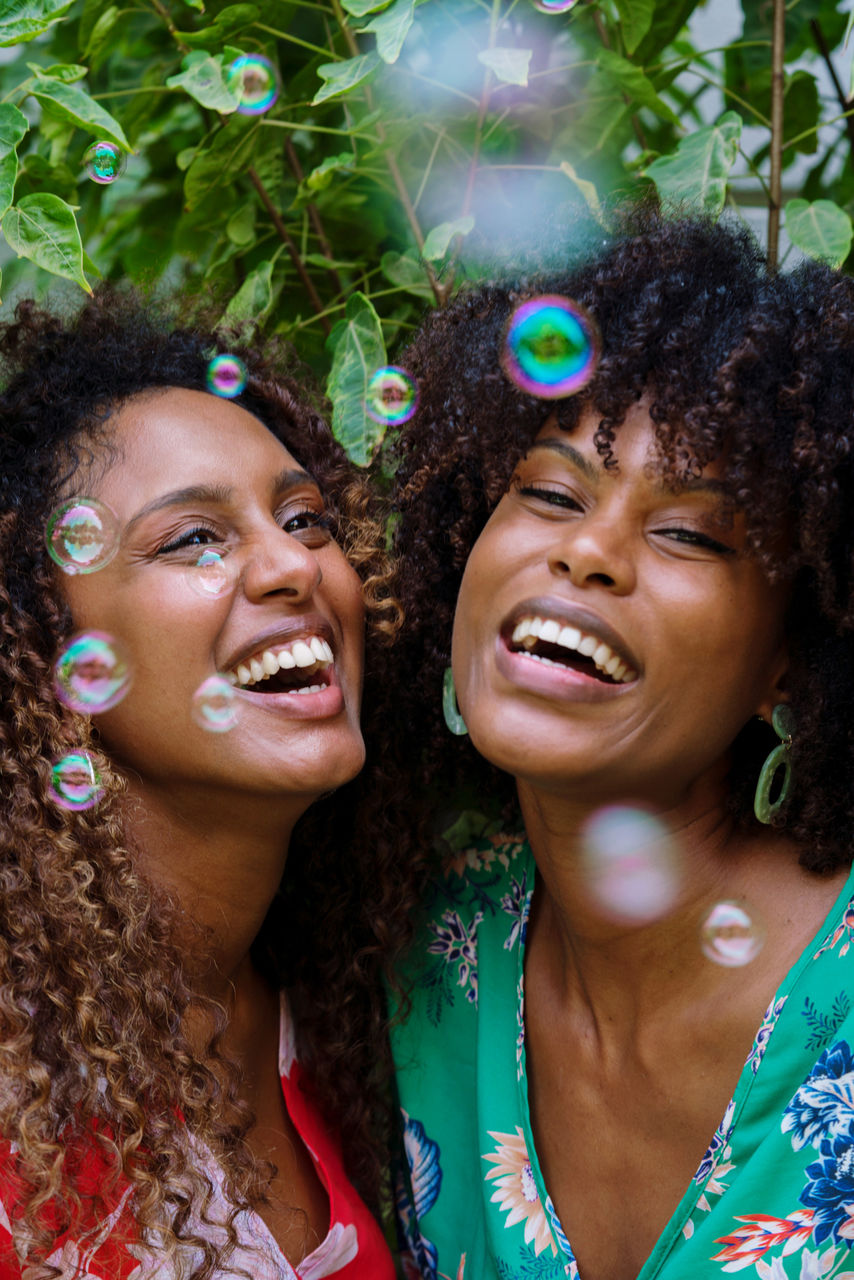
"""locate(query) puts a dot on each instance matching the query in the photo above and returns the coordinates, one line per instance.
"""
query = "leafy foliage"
(411, 142)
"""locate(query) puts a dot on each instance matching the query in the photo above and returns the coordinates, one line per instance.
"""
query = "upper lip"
(572, 615)
(306, 624)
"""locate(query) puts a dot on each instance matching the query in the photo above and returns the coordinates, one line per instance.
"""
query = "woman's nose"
(594, 550)
(281, 564)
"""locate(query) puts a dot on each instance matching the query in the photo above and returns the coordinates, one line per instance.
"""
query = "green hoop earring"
(783, 723)
(453, 719)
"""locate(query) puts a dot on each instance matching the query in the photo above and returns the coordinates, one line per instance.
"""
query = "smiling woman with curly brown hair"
(628, 1046)
(164, 1108)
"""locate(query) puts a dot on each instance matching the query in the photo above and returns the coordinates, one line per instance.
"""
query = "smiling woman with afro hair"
(628, 990)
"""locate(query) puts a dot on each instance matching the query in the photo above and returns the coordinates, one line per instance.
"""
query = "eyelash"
(317, 520)
(559, 498)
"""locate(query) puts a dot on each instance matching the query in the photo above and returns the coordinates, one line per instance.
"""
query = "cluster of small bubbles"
(104, 162)
(208, 576)
(75, 782)
(555, 6)
(215, 704)
(227, 376)
(392, 396)
(254, 81)
(630, 864)
(82, 535)
(92, 672)
(731, 934)
(551, 347)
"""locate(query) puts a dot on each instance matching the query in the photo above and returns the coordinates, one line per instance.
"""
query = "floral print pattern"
(516, 1189)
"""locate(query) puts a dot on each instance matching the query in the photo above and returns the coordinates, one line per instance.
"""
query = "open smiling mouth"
(299, 666)
(561, 645)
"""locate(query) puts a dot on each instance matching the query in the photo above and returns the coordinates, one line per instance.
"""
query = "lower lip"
(301, 706)
(561, 683)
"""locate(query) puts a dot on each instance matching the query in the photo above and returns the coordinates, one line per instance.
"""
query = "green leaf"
(406, 271)
(240, 227)
(358, 350)
(698, 170)
(341, 77)
(43, 228)
(587, 189)
(436, 244)
(635, 21)
(228, 22)
(101, 29)
(67, 72)
(13, 127)
(509, 65)
(391, 28)
(321, 177)
(68, 102)
(633, 82)
(821, 230)
(202, 78)
(252, 303)
(360, 8)
(198, 5)
(229, 153)
(23, 20)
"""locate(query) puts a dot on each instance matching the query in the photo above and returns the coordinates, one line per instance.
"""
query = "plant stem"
(636, 124)
(314, 215)
(287, 240)
(844, 101)
(778, 48)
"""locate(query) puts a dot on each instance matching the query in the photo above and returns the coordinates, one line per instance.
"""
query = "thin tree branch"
(287, 240)
(778, 48)
(845, 102)
(314, 215)
(636, 124)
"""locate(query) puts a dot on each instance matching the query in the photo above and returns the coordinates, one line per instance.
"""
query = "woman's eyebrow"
(216, 494)
(591, 472)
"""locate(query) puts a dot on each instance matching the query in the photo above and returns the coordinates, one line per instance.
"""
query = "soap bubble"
(254, 81)
(630, 864)
(208, 576)
(226, 376)
(92, 673)
(551, 347)
(75, 782)
(215, 705)
(104, 162)
(392, 396)
(82, 535)
(555, 6)
(731, 935)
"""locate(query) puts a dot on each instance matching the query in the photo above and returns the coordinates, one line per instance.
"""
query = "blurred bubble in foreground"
(104, 162)
(551, 347)
(630, 864)
(215, 704)
(209, 576)
(75, 782)
(226, 376)
(731, 934)
(254, 81)
(555, 6)
(92, 672)
(392, 396)
(82, 535)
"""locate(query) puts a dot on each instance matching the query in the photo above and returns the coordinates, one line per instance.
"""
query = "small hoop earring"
(450, 710)
(766, 809)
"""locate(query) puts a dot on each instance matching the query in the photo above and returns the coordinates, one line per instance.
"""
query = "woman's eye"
(311, 527)
(554, 497)
(200, 537)
(693, 538)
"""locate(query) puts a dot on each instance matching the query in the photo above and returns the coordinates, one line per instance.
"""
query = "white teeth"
(529, 630)
(244, 675)
(318, 648)
(269, 662)
(312, 651)
(303, 656)
(256, 669)
(286, 660)
(312, 688)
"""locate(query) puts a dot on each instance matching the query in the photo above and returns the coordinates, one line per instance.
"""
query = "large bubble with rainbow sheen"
(254, 81)
(630, 864)
(215, 704)
(93, 672)
(555, 6)
(82, 535)
(104, 162)
(551, 347)
(208, 575)
(392, 396)
(732, 934)
(226, 376)
(75, 782)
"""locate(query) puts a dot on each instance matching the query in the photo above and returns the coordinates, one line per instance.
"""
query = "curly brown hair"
(94, 990)
(735, 363)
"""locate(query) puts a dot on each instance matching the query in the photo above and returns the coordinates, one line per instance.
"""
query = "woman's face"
(192, 470)
(611, 636)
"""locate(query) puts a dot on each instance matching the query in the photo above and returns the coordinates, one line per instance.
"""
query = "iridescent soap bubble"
(254, 81)
(92, 673)
(209, 576)
(104, 162)
(732, 934)
(75, 782)
(551, 347)
(226, 376)
(215, 704)
(630, 864)
(82, 535)
(392, 396)
(555, 6)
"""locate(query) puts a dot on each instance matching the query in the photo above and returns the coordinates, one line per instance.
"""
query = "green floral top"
(774, 1193)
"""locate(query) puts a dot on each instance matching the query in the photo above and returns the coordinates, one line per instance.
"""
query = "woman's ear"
(777, 686)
